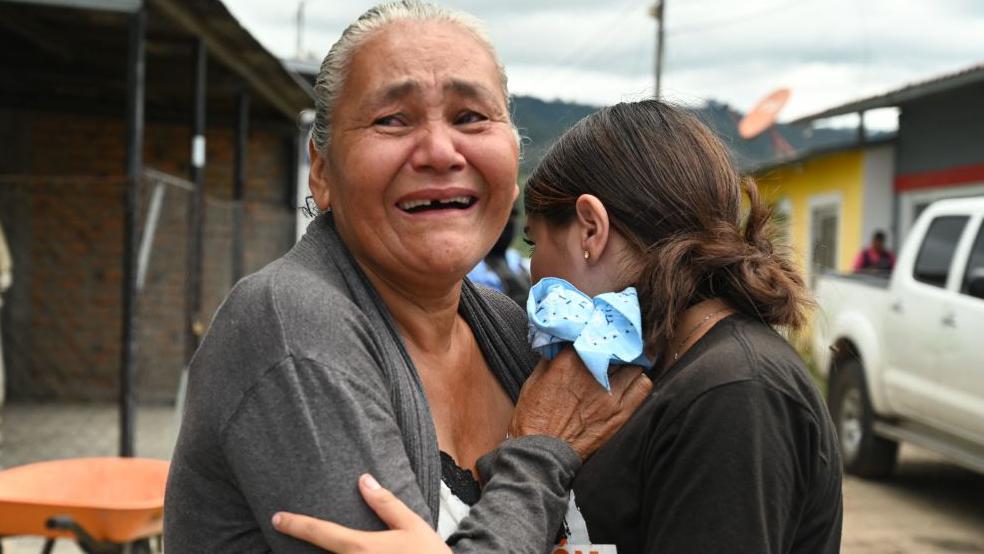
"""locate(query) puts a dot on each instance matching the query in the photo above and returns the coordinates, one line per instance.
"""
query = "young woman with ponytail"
(734, 450)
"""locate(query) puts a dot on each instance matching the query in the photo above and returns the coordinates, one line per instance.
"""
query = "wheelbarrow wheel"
(141, 547)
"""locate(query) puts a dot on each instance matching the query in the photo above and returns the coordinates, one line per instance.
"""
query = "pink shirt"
(869, 258)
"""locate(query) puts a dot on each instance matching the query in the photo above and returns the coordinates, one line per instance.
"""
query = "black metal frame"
(239, 185)
(136, 81)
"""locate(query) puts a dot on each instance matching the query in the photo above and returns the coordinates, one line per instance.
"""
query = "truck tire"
(864, 453)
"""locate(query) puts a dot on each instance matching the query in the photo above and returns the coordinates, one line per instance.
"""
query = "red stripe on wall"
(940, 178)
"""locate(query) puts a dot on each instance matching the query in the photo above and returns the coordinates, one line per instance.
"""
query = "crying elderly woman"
(364, 349)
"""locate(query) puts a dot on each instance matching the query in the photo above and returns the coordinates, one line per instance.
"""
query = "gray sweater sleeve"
(528, 484)
(268, 428)
(301, 439)
(284, 460)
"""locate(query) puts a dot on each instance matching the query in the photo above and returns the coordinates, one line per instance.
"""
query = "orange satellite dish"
(763, 115)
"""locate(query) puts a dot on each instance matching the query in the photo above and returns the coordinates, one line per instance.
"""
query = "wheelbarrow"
(106, 505)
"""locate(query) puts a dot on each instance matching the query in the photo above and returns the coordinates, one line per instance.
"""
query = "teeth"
(411, 204)
(455, 200)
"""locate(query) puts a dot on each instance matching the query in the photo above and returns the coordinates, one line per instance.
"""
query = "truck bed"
(846, 300)
(870, 279)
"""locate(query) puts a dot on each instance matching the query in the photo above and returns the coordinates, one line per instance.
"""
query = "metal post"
(239, 184)
(196, 206)
(659, 12)
(862, 132)
(136, 73)
(300, 29)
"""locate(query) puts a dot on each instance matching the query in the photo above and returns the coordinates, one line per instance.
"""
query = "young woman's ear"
(593, 226)
(317, 178)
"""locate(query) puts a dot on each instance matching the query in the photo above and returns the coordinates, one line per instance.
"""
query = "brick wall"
(61, 322)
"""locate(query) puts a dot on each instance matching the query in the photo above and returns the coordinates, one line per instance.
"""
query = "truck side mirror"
(975, 286)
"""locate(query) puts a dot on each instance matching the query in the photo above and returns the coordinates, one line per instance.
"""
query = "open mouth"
(453, 203)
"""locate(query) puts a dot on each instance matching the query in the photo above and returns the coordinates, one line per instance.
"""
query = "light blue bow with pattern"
(605, 330)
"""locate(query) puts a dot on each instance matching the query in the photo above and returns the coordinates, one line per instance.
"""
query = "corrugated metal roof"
(107, 5)
(74, 45)
(809, 154)
(908, 93)
(235, 46)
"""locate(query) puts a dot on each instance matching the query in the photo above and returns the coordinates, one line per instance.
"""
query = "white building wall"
(879, 192)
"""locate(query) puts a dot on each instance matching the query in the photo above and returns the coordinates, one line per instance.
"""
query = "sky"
(601, 52)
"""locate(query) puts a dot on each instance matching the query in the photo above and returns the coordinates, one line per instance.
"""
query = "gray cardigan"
(302, 383)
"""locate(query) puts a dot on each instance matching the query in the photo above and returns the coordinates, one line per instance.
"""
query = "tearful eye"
(467, 117)
(394, 120)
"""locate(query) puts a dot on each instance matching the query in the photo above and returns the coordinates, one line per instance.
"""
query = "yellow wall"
(839, 173)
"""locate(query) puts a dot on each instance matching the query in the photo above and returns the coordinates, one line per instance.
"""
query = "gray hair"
(334, 69)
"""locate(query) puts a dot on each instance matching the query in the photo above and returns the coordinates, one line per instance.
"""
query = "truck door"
(961, 370)
(913, 325)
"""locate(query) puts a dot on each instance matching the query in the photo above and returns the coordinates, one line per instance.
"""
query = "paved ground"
(928, 507)
(39, 432)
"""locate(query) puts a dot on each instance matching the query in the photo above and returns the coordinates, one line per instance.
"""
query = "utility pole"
(658, 11)
(300, 28)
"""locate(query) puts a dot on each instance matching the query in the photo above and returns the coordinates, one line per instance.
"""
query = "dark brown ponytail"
(671, 189)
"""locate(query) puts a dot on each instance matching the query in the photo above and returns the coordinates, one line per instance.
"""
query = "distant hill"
(541, 122)
(723, 119)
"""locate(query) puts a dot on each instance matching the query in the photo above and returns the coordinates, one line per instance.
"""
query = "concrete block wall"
(61, 205)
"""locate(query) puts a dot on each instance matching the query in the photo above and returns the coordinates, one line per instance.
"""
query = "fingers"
(568, 368)
(621, 376)
(322, 534)
(394, 513)
(636, 391)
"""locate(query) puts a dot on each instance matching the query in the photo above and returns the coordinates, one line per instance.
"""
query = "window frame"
(915, 275)
(977, 241)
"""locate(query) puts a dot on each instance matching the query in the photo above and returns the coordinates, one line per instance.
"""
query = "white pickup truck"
(904, 355)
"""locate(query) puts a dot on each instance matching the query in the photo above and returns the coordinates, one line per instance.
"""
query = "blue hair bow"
(604, 330)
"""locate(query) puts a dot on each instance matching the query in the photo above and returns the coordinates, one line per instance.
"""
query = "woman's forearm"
(524, 500)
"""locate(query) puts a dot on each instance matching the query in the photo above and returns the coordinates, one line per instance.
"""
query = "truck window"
(975, 264)
(936, 252)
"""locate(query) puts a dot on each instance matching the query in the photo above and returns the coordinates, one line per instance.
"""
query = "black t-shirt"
(733, 452)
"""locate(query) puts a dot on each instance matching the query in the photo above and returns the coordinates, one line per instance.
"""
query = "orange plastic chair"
(101, 503)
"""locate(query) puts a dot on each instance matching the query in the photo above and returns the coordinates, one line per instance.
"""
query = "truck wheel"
(865, 454)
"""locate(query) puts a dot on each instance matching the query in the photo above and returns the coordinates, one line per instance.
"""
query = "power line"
(602, 36)
(712, 24)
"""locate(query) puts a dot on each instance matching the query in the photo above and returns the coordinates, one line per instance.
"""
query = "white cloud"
(577, 85)
(827, 52)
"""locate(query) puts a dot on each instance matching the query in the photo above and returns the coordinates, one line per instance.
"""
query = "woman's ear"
(317, 178)
(594, 229)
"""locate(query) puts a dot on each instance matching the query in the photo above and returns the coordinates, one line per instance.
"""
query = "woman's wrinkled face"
(422, 167)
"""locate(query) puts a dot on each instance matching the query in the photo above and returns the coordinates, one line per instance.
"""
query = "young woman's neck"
(695, 322)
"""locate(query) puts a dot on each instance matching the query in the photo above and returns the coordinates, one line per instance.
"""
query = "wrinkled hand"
(562, 399)
(408, 532)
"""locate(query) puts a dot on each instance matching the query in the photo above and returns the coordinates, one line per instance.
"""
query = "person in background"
(876, 258)
(503, 268)
(6, 279)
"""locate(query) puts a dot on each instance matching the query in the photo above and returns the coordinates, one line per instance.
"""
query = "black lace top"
(461, 481)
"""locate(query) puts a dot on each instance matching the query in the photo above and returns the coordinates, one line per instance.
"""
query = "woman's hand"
(408, 532)
(562, 399)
